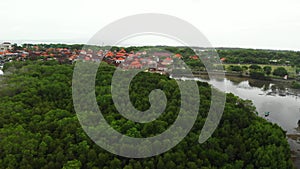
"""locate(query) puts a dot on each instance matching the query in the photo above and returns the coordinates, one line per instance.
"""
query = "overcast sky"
(226, 23)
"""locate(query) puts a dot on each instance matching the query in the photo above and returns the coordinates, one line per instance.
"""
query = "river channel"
(281, 101)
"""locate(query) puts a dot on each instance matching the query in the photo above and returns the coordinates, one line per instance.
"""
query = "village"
(154, 61)
(149, 59)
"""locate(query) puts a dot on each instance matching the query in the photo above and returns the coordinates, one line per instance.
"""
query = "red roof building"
(119, 54)
(122, 51)
(178, 56)
(135, 65)
(109, 54)
(195, 57)
(167, 61)
(119, 60)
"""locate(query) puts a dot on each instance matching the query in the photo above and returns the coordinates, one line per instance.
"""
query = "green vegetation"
(257, 74)
(39, 128)
(295, 85)
(263, 71)
(267, 70)
(290, 60)
(280, 71)
(262, 57)
(236, 68)
(255, 67)
(47, 46)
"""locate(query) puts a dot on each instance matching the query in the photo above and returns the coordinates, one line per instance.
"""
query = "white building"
(6, 46)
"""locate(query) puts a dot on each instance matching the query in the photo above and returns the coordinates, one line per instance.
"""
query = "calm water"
(282, 102)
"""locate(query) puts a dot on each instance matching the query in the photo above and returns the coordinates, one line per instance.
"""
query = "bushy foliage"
(255, 56)
(280, 71)
(39, 128)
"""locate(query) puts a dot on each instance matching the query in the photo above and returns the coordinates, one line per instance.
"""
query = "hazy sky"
(226, 23)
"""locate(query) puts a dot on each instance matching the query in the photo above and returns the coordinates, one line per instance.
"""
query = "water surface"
(282, 102)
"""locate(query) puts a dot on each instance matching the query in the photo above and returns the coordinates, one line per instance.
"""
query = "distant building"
(274, 61)
(223, 59)
(167, 61)
(195, 57)
(135, 65)
(120, 60)
(5, 46)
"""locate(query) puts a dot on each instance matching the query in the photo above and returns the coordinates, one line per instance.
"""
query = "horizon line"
(69, 42)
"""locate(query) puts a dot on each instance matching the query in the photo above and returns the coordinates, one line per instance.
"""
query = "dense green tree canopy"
(256, 56)
(255, 67)
(280, 71)
(39, 128)
(267, 70)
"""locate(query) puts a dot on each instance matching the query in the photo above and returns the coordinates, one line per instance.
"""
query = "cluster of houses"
(5, 54)
(6, 46)
(9, 53)
(152, 61)
(161, 61)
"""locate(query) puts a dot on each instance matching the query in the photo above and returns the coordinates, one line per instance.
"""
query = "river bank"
(241, 75)
(266, 97)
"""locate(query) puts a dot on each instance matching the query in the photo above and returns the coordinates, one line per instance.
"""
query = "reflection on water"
(282, 102)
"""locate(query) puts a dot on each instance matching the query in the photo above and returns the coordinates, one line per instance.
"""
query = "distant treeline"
(258, 56)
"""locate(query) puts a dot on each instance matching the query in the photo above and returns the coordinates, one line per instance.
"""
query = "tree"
(256, 74)
(160, 164)
(128, 167)
(268, 70)
(115, 163)
(137, 165)
(74, 164)
(295, 85)
(280, 71)
(255, 67)
(236, 68)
